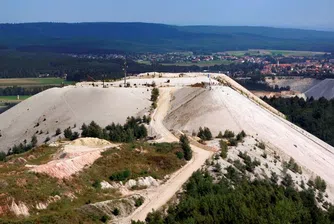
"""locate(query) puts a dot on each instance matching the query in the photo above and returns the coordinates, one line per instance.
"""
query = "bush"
(120, 176)
(233, 142)
(139, 201)
(274, 178)
(287, 180)
(75, 135)
(223, 148)
(261, 145)
(220, 135)
(293, 166)
(2, 156)
(47, 139)
(241, 136)
(320, 184)
(104, 218)
(204, 134)
(58, 131)
(97, 184)
(115, 212)
(228, 134)
(68, 133)
(180, 155)
(154, 94)
(185, 147)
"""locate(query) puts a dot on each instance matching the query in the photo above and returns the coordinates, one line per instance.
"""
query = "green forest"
(315, 116)
(236, 199)
(149, 37)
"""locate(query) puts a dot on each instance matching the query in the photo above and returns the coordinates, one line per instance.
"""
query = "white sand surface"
(64, 107)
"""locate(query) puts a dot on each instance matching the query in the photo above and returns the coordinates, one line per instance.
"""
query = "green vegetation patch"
(241, 201)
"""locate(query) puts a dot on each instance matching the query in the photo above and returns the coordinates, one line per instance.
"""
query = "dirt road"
(156, 198)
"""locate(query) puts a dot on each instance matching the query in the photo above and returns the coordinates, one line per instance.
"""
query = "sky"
(309, 14)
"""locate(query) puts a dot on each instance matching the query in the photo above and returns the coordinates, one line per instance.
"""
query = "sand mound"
(323, 89)
(90, 142)
(298, 84)
(63, 107)
(223, 108)
(74, 157)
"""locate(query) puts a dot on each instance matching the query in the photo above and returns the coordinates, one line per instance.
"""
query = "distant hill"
(147, 37)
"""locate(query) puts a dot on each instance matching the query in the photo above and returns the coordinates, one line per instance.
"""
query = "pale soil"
(69, 106)
(223, 108)
(74, 157)
(268, 165)
(298, 84)
(323, 89)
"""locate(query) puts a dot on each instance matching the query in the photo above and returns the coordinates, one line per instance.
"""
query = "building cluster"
(270, 64)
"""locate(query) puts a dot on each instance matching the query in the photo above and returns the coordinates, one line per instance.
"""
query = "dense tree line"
(251, 84)
(132, 130)
(235, 199)
(17, 90)
(315, 116)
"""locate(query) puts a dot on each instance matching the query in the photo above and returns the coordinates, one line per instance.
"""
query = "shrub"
(320, 184)
(293, 166)
(185, 147)
(287, 180)
(68, 133)
(233, 142)
(220, 135)
(115, 212)
(228, 134)
(241, 136)
(58, 131)
(2, 156)
(261, 145)
(204, 134)
(47, 139)
(75, 135)
(104, 218)
(97, 184)
(139, 201)
(120, 176)
(180, 155)
(274, 177)
(223, 148)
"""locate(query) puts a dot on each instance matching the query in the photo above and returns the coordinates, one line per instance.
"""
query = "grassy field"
(12, 98)
(256, 52)
(33, 82)
(16, 182)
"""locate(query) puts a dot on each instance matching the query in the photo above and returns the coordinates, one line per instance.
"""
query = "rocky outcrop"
(142, 182)
(19, 209)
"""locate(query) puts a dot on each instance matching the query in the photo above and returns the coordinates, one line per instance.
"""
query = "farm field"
(33, 82)
(12, 98)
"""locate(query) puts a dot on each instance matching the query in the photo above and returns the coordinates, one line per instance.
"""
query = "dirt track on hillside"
(156, 198)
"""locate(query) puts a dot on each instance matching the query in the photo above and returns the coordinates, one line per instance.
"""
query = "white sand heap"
(74, 157)
(68, 107)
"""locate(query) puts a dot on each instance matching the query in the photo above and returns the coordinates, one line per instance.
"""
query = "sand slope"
(223, 108)
(64, 107)
(323, 89)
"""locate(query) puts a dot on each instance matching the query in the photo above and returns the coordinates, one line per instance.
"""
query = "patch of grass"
(33, 82)
(13, 98)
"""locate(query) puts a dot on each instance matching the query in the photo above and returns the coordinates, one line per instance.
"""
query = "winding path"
(156, 198)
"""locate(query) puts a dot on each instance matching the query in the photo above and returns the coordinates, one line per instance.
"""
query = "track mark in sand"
(68, 105)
